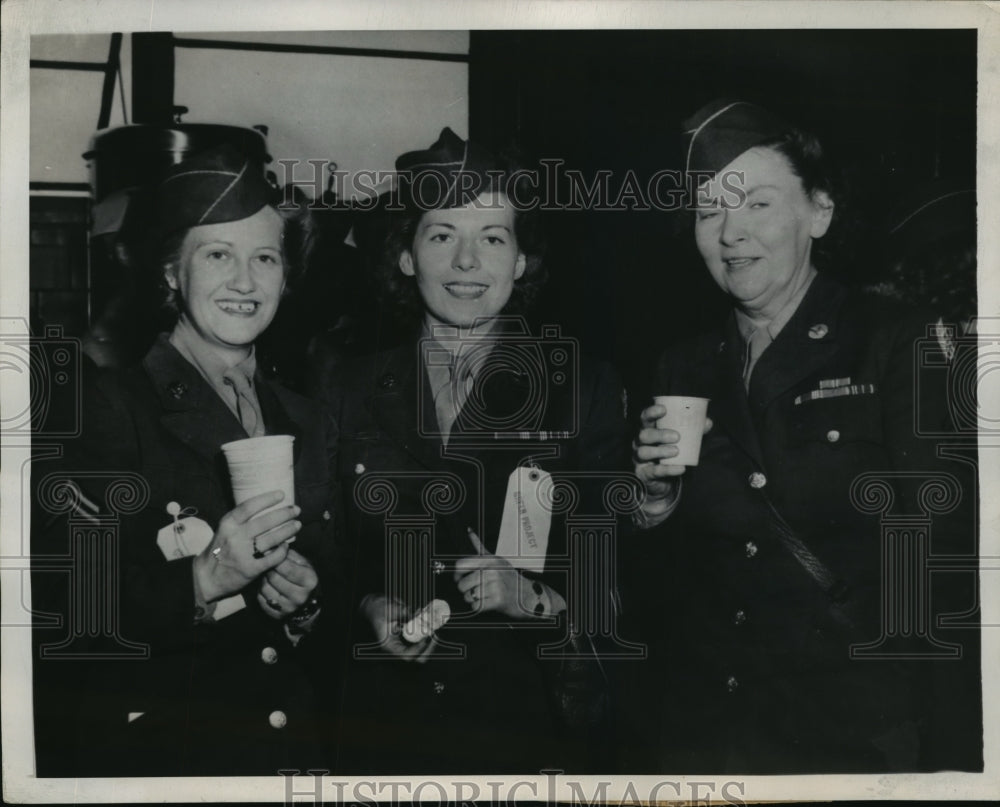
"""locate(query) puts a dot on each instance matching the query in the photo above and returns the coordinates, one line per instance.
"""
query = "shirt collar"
(208, 362)
(748, 326)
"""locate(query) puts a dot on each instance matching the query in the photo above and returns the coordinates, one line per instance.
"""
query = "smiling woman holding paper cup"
(776, 564)
(450, 447)
(211, 580)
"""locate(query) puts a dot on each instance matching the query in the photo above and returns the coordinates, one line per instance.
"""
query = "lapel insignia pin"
(177, 389)
(818, 331)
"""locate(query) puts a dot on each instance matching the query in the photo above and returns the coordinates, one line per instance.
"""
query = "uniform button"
(832, 436)
(732, 683)
(359, 469)
(269, 655)
(326, 515)
(757, 480)
(751, 549)
(739, 617)
(387, 381)
(818, 331)
(438, 687)
(438, 567)
(177, 389)
(277, 719)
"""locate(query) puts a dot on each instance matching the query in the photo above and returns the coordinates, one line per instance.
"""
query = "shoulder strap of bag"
(835, 588)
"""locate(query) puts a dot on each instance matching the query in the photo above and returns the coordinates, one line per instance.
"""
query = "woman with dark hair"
(450, 449)
(807, 648)
(226, 605)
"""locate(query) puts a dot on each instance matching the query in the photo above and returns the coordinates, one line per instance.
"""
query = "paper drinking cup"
(261, 464)
(686, 416)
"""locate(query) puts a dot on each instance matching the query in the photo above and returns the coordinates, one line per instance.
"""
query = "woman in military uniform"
(222, 607)
(787, 644)
(447, 445)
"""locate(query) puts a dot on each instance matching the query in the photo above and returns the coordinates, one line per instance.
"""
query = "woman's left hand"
(287, 586)
(490, 583)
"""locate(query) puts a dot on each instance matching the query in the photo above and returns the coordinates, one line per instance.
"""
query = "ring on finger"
(256, 552)
(273, 604)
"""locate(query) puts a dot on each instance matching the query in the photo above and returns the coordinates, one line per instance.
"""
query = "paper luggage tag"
(524, 528)
(185, 537)
(189, 536)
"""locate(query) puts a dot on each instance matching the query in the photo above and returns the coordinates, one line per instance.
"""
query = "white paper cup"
(686, 416)
(261, 464)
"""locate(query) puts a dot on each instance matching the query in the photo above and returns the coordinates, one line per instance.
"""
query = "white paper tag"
(187, 536)
(524, 528)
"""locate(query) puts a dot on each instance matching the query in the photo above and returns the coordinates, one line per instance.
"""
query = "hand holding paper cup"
(261, 464)
(686, 416)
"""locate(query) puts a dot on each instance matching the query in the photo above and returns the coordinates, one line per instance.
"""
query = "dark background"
(894, 108)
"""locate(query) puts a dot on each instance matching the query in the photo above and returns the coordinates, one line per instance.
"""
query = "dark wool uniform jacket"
(758, 651)
(482, 702)
(232, 696)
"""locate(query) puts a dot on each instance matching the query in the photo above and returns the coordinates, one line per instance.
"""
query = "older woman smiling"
(810, 384)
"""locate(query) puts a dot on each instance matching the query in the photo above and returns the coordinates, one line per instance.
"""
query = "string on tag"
(174, 510)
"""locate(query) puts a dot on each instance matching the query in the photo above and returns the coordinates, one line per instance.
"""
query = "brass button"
(732, 683)
(818, 331)
(438, 567)
(277, 719)
(269, 655)
(832, 436)
(757, 480)
(751, 549)
(326, 515)
(438, 687)
(739, 617)
(359, 469)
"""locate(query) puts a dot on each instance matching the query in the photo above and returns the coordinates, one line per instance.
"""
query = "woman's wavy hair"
(399, 292)
(155, 252)
(810, 162)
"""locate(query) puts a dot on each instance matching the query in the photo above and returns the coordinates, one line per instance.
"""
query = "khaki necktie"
(758, 342)
(450, 398)
(247, 407)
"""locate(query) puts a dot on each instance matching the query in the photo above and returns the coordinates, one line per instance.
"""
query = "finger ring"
(256, 552)
(274, 604)
(216, 552)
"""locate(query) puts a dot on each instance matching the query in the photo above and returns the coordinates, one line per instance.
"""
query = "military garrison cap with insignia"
(722, 130)
(450, 173)
(212, 187)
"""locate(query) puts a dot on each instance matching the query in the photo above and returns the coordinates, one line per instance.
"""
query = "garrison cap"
(211, 187)
(451, 173)
(932, 213)
(722, 130)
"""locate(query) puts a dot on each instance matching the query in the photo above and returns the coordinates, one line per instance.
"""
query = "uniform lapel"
(192, 411)
(731, 411)
(496, 402)
(805, 344)
(277, 419)
(400, 399)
